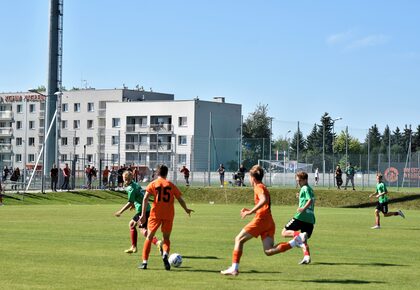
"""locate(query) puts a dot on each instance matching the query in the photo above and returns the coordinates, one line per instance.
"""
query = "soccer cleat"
(376, 227)
(143, 266)
(230, 271)
(306, 260)
(131, 250)
(159, 247)
(401, 214)
(166, 263)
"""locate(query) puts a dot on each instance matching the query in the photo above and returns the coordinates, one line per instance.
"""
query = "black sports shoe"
(143, 266)
(166, 263)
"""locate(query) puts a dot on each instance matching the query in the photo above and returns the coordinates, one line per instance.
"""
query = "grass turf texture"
(81, 247)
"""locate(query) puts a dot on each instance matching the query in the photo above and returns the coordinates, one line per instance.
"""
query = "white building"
(122, 126)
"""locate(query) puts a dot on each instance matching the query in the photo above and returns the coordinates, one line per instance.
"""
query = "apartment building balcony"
(101, 113)
(6, 148)
(6, 115)
(161, 146)
(161, 128)
(135, 146)
(6, 131)
(137, 128)
(41, 131)
(100, 148)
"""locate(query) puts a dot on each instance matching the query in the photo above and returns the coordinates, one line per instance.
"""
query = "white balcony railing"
(6, 115)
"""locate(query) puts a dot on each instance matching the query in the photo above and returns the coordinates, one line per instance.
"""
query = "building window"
(89, 141)
(77, 107)
(89, 158)
(116, 122)
(65, 107)
(115, 140)
(18, 157)
(91, 107)
(114, 158)
(31, 108)
(76, 124)
(182, 158)
(63, 157)
(90, 124)
(182, 122)
(182, 140)
(18, 141)
(64, 141)
(76, 141)
(19, 108)
(32, 125)
(64, 124)
(31, 141)
(18, 125)
(31, 157)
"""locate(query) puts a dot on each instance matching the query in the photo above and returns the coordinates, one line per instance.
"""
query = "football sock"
(133, 235)
(146, 249)
(283, 247)
(296, 233)
(306, 250)
(236, 256)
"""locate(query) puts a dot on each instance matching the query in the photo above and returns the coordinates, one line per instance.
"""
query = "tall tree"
(397, 142)
(313, 144)
(374, 139)
(385, 140)
(298, 141)
(406, 137)
(416, 139)
(325, 134)
(256, 133)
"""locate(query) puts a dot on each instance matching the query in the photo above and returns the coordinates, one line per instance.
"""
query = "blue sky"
(359, 60)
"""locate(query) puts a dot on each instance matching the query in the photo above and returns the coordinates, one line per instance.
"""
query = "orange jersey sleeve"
(164, 193)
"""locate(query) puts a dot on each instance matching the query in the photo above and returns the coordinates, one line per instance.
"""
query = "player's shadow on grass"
(394, 200)
(342, 281)
(6, 196)
(359, 264)
(201, 257)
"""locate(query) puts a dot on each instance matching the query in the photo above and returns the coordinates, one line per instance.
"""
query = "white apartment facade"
(120, 126)
(175, 132)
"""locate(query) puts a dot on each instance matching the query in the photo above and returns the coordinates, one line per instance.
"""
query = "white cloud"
(368, 41)
(339, 37)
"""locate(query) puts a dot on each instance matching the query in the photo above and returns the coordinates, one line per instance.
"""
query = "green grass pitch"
(81, 247)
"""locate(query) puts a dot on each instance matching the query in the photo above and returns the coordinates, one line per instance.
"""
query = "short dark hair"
(162, 170)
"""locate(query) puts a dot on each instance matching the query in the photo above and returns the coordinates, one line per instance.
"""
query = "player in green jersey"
(304, 219)
(382, 205)
(135, 201)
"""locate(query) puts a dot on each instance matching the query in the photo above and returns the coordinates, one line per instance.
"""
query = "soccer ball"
(175, 260)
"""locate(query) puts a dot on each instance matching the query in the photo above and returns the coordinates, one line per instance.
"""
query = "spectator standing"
(186, 173)
(316, 176)
(66, 177)
(6, 172)
(105, 177)
(54, 177)
(338, 176)
(15, 177)
(349, 176)
(221, 171)
(120, 176)
(87, 172)
(1, 194)
(113, 178)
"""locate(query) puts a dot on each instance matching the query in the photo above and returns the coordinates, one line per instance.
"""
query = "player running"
(162, 213)
(382, 206)
(261, 225)
(135, 200)
(304, 218)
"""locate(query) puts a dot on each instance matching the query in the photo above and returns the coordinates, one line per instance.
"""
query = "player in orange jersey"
(261, 225)
(162, 213)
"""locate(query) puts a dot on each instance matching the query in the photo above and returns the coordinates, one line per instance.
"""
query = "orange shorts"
(164, 224)
(261, 227)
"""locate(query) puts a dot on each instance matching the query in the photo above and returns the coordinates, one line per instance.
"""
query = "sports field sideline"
(64, 246)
